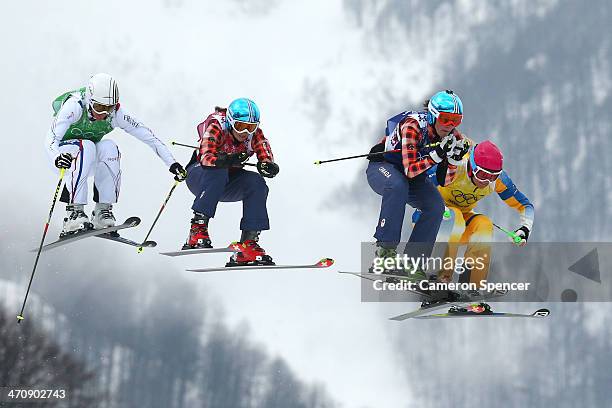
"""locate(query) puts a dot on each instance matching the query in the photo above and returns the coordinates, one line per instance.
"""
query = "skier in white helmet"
(74, 142)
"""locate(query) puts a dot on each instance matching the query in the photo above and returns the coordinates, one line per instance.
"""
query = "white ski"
(77, 236)
(463, 299)
(538, 313)
(117, 238)
(323, 263)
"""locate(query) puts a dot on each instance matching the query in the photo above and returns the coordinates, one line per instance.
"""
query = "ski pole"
(366, 155)
(515, 238)
(176, 183)
(42, 241)
(358, 156)
(184, 145)
(196, 147)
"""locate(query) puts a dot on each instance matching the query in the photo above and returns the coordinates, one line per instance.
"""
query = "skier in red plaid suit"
(228, 138)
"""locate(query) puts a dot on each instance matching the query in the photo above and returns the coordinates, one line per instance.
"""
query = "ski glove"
(226, 160)
(522, 232)
(461, 148)
(375, 155)
(179, 172)
(442, 150)
(268, 169)
(63, 161)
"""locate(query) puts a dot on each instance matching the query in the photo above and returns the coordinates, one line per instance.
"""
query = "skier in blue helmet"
(244, 113)
(416, 141)
(227, 138)
(448, 105)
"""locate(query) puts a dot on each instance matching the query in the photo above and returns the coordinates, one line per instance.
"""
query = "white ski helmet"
(102, 89)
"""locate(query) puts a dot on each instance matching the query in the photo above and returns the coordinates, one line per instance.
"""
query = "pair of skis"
(323, 263)
(459, 299)
(109, 233)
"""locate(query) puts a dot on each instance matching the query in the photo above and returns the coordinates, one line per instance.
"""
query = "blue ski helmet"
(242, 110)
(444, 101)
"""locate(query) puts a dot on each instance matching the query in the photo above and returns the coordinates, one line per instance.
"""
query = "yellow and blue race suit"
(471, 228)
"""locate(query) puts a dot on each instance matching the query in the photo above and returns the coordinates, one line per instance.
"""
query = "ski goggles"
(100, 108)
(482, 174)
(449, 119)
(242, 127)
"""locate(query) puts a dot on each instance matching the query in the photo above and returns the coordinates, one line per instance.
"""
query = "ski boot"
(198, 233)
(248, 251)
(474, 308)
(386, 255)
(411, 274)
(76, 220)
(102, 216)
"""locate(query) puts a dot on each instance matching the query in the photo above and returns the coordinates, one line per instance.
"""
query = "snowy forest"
(152, 363)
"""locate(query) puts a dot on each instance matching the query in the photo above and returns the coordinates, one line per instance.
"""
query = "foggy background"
(534, 77)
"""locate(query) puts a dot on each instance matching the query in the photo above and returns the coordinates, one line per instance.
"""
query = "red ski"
(323, 263)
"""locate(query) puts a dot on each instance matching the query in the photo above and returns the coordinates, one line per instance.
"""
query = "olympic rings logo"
(465, 199)
(85, 135)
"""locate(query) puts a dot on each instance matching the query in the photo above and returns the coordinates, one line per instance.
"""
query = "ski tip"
(541, 313)
(325, 263)
(132, 221)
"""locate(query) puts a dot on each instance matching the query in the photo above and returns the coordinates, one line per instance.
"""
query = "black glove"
(63, 161)
(179, 172)
(461, 148)
(226, 160)
(446, 145)
(522, 232)
(379, 148)
(268, 169)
